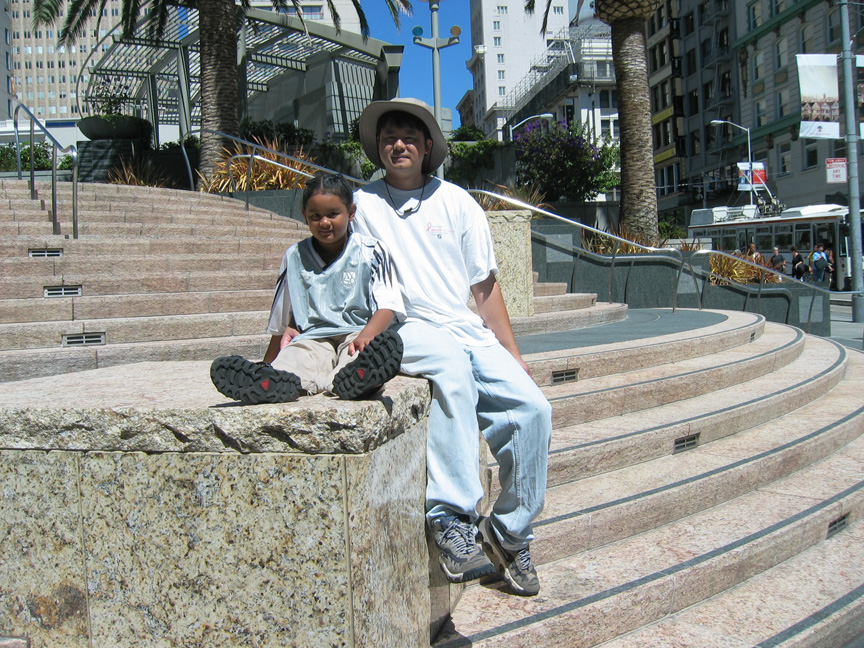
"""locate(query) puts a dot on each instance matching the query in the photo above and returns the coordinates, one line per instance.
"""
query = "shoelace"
(524, 559)
(462, 536)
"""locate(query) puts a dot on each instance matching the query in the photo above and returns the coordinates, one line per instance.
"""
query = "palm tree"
(218, 28)
(638, 190)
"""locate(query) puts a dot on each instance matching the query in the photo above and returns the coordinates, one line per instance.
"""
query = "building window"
(776, 7)
(781, 53)
(758, 65)
(754, 16)
(695, 143)
(782, 103)
(692, 66)
(501, 74)
(502, 9)
(784, 158)
(832, 25)
(496, 25)
(496, 41)
(810, 150)
(502, 91)
(608, 99)
(760, 113)
(501, 59)
(805, 40)
(689, 24)
(693, 101)
(558, 11)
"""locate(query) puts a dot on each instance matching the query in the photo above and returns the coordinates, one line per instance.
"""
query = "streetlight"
(717, 122)
(436, 44)
(548, 116)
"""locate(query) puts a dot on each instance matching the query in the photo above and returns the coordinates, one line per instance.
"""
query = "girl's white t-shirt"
(441, 247)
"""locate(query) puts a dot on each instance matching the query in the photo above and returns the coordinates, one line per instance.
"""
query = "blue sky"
(415, 78)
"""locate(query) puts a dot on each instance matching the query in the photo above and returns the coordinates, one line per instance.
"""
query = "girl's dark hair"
(327, 183)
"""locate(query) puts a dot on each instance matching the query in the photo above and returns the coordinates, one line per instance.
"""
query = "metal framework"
(315, 76)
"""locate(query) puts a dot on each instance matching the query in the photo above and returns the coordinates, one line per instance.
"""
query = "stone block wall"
(158, 516)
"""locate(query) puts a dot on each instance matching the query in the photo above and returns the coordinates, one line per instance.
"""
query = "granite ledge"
(173, 407)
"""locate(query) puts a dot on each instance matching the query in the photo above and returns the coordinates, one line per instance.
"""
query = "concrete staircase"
(706, 481)
(160, 274)
(705, 489)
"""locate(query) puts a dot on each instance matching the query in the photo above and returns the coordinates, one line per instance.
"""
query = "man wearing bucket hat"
(441, 245)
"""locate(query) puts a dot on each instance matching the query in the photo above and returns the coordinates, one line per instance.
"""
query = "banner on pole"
(859, 92)
(820, 96)
(760, 176)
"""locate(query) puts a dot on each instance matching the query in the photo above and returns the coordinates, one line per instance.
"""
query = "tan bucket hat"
(368, 125)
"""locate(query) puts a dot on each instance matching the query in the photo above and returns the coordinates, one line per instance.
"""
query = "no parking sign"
(835, 169)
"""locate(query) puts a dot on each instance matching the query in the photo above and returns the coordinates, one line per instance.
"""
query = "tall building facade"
(48, 77)
(735, 62)
(505, 42)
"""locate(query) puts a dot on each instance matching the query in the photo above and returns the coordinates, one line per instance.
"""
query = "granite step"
(35, 363)
(609, 444)
(549, 289)
(600, 313)
(813, 599)
(143, 229)
(578, 358)
(140, 246)
(595, 510)
(140, 283)
(51, 335)
(764, 515)
(128, 306)
(550, 303)
(630, 391)
(104, 264)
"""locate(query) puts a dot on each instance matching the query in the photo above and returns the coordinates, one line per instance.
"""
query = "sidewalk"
(843, 329)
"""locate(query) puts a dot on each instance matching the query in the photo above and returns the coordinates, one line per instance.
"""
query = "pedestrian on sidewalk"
(442, 247)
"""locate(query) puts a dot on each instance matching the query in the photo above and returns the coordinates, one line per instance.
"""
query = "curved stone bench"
(138, 507)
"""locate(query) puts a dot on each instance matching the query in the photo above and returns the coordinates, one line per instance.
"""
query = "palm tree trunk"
(218, 28)
(638, 191)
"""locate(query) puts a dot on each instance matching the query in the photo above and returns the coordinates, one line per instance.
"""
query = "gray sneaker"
(459, 555)
(517, 568)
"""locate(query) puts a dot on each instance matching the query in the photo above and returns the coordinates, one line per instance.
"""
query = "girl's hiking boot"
(375, 365)
(253, 382)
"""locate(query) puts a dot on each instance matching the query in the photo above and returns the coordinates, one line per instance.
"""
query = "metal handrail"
(618, 241)
(253, 156)
(71, 150)
(763, 270)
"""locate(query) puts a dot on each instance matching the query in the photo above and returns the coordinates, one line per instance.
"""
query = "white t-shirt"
(441, 248)
(328, 300)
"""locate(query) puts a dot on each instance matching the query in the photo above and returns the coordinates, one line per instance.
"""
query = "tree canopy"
(565, 161)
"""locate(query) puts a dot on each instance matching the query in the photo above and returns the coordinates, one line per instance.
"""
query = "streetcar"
(733, 229)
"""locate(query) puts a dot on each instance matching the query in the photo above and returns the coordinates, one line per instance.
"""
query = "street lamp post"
(717, 122)
(436, 44)
(548, 116)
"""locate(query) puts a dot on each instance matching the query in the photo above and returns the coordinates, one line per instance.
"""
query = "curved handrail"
(71, 150)
(587, 228)
(763, 270)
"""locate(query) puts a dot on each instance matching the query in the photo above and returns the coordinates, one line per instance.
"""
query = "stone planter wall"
(135, 512)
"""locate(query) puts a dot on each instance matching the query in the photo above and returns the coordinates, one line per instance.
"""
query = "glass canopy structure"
(310, 75)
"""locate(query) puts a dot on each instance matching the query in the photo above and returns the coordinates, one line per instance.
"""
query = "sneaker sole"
(496, 555)
(375, 365)
(470, 575)
(253, 383)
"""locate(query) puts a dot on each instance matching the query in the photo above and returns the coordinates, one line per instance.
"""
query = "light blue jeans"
(480, 387)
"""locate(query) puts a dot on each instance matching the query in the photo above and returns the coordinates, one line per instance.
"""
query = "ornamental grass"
(264, 175)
